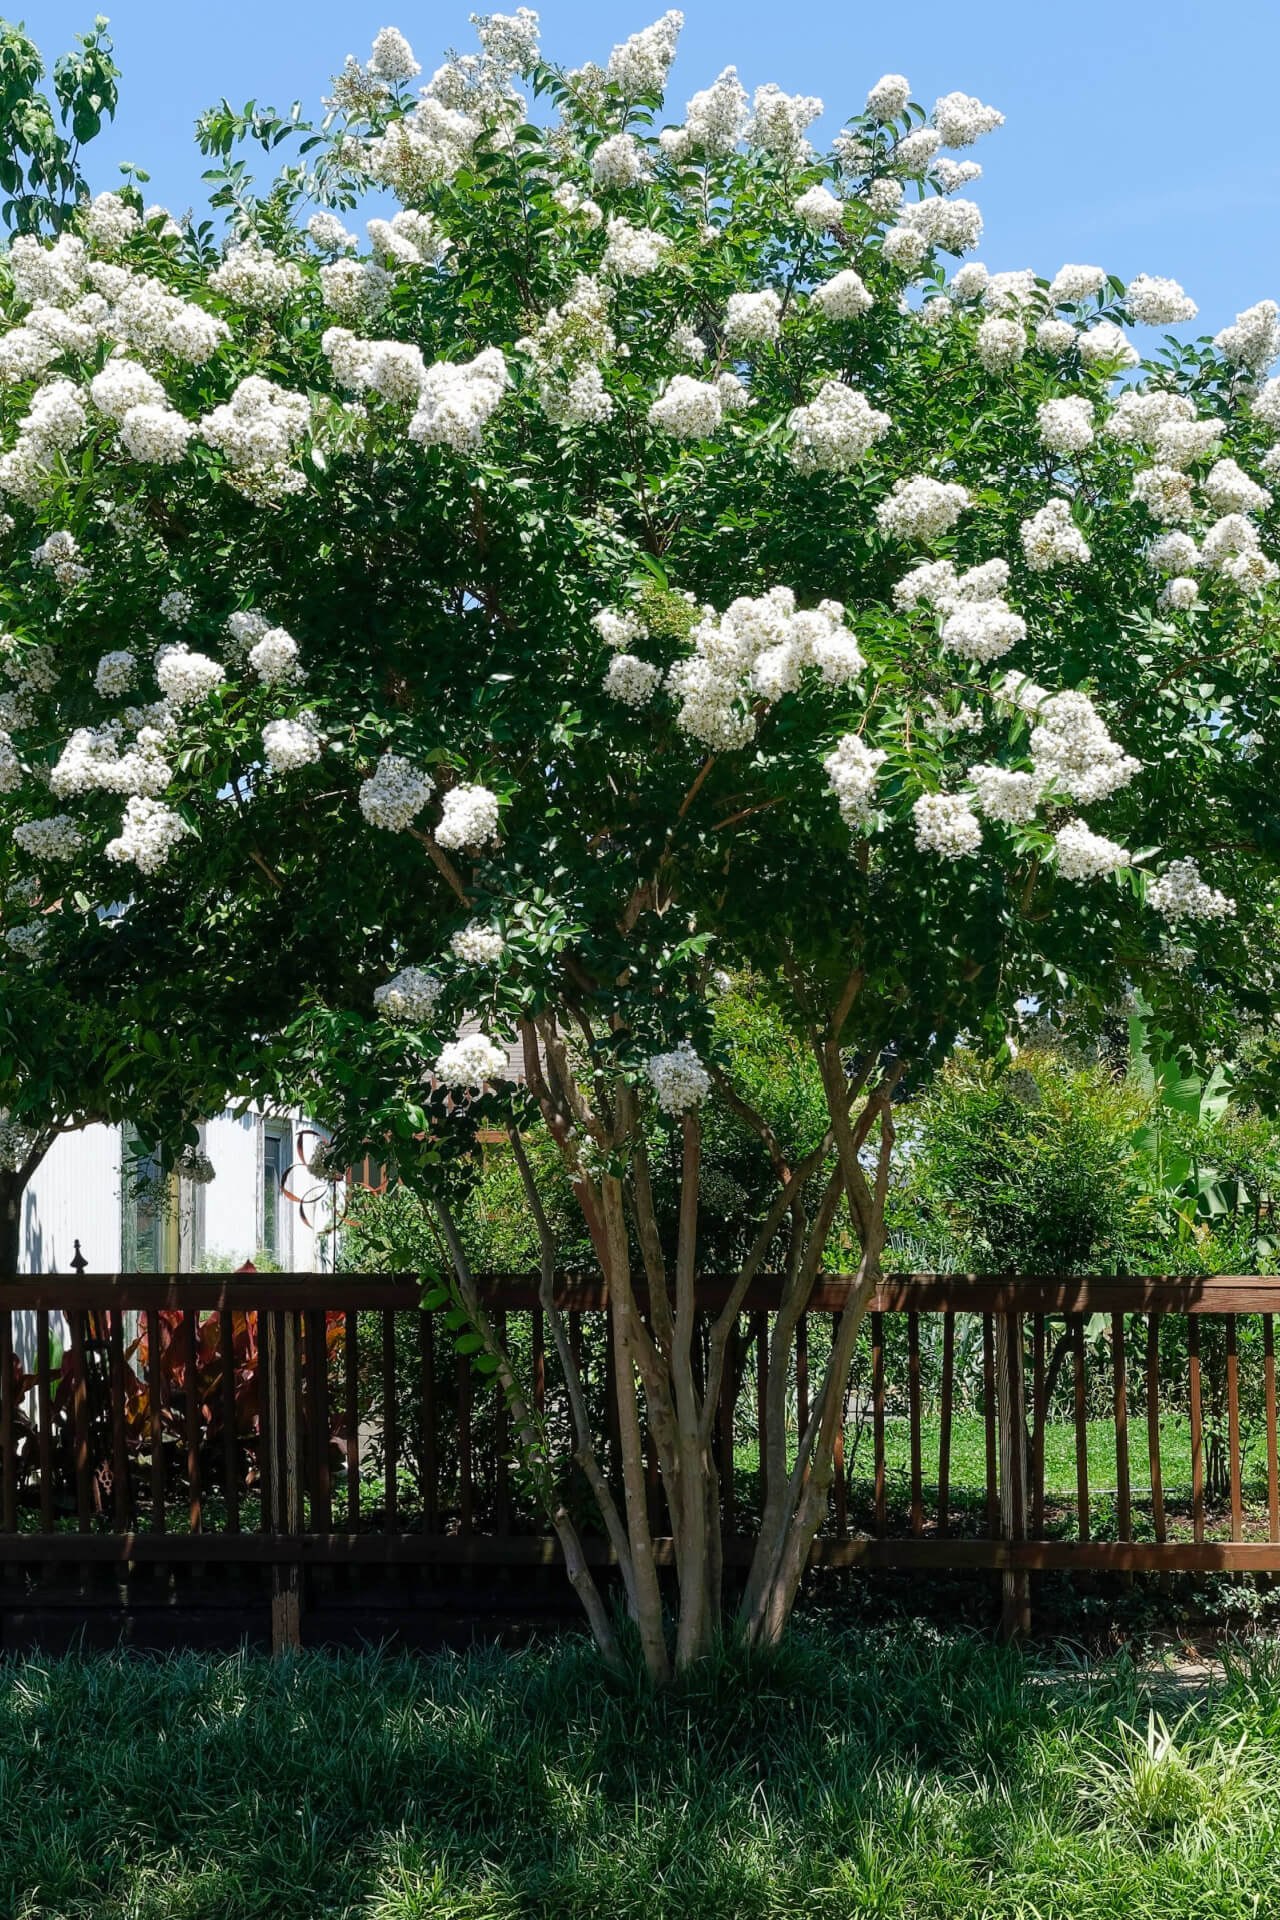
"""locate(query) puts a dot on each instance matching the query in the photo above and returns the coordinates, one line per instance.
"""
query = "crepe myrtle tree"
(646, 556)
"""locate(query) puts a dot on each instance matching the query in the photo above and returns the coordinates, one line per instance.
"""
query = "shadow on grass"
(909, 1774)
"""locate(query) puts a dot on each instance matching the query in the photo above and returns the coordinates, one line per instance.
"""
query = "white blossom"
(394, 792)
(274, 658)
(1066, 425)
(961, 119)
(641, 64)
(477, 945)
(1050, 538)
(157, 436)
(1165, 493)
(851, 769)
(1253, 340)
(679, 1080)
(1178, 595)
(176, 605)
(1003, 794)
(969, 282)
(410, 997)
(356, 290)
(1001, 343)
(688, 409)
(631, 680)
(290, 744)
(752, 319)
(1072, 284)
(618, 627)
(921, 508)
(914, 151)
(392, 57)
(905, 246)
(10, 764)
(779, 122)
(1154, 302)
(1105, 345)
(716, 118)
(148, 834)
(950, 175)
(469, 819)
(946, 824)
(836, 429)
(889, 98)
(92, 761)
(60, 552)
(27, 942)
(1228, 489)
(843, 297)
(257, 431)
(110, 223)
(1056, 337)
(57, 838)
(1181, 894)
(458, 400)
(818, 209)
(1070, 744)
(631, 252)
(255, 278)
(122, 385)
(955, 225)
(185, 678)
(618, 161)
(1174, 553)
(1083, 855)
(470, 1061)
(329, 234)
(983, 630)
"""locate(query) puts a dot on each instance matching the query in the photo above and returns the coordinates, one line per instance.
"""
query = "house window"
(277, 1155)
(148, 1220)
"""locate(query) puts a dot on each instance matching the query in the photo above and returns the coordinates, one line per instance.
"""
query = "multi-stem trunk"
(12, 1188)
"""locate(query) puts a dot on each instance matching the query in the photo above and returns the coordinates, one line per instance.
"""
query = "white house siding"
(75, 1195)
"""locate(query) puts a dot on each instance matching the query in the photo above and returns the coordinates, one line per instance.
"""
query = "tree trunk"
(12, 1188)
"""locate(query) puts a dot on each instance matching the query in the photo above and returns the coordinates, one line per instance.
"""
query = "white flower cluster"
(255, 278)
(185, 678)
(1231, 547)
(10, 765)
(619, 161)
(836, 429)
(566, 350)
(757, 649)
(469, 818)
(257, 431)
(290, 744)
(752, 319)
(1001, 343)
(1066, 425)
(642, 63)
(245, 627)
(57, 838)
(618, 628)
(1001, 793)
(1228, 489)
(954, 225)
(394, 369)
(715, 120)
(355, 290)
(1072, 284)
(921, 508)
(27, 942)
(274, 658)
(422, 150)
(1106, 346)
(458, 400)
(631, 680)
(889, 98)
(1082, 855)
(779, 121)
(478, 946)
(92, 761)
(1051, 539)
(176, 605)
(329, 234)
(946, 824)
(122, 385)
(630, 252)
(843, 297)
(60, 552)
(157, 436)
(1181, 894)
(392, 57)
(470, 1061)
(410, 997)
(54, 423)
(679, 1080)
(148, 834)
(394, 792)
(687, 409)
(851, 769)
(1070, 745)
(1154, 302)
(110, 223)
(1253, 340)
(961, 119)
(818, 209)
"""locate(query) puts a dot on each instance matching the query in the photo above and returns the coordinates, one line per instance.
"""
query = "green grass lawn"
(890, 1775)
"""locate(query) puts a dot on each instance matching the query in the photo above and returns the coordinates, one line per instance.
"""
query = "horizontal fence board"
(915, 1293)
(536, 1550)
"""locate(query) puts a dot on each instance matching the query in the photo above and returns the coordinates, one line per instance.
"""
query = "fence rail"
(291, 1426)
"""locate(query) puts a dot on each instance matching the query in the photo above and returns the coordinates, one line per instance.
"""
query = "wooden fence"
(293, 1425)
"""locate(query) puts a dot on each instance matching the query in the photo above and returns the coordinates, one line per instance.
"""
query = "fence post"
(1011, 1422)
(282, 1351)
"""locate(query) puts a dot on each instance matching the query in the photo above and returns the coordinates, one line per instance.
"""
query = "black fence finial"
(78, 1262)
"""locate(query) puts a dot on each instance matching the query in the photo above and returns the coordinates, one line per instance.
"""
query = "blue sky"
(1130, 141)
